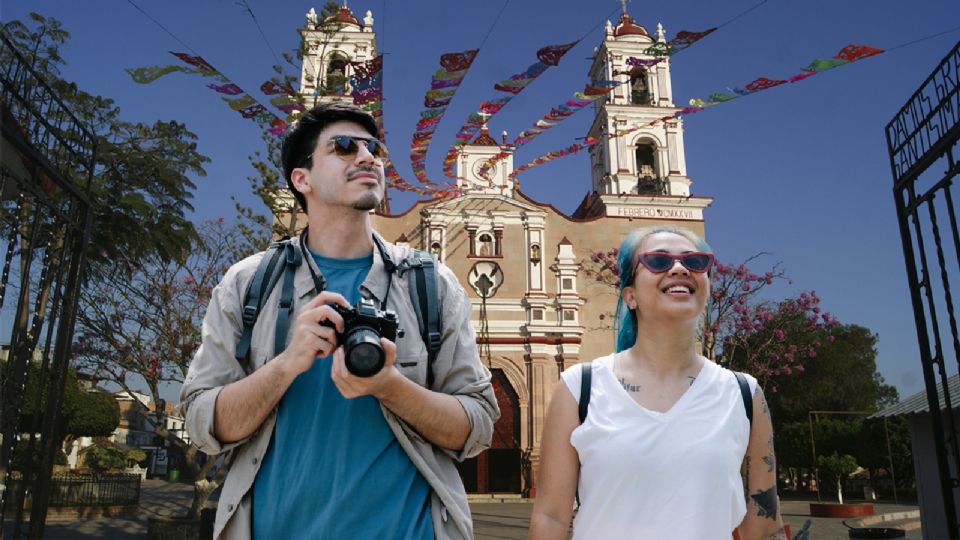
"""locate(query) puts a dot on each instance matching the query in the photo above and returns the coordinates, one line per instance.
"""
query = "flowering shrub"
(767, 339)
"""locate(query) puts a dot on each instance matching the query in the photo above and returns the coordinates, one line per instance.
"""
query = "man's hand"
(352, 386)
(438, 417)
(310, 338)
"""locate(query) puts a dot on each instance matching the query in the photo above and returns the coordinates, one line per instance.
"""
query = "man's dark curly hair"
(300, 141)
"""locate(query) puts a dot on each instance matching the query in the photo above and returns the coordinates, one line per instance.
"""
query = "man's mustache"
(365, 170)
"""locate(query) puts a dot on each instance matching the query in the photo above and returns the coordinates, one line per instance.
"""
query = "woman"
(666, 449)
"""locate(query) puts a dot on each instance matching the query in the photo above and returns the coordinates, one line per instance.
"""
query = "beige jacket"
(457, 371)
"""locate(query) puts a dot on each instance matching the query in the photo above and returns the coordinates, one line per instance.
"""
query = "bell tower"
(643, 173)
(476, 175)
(329, 46)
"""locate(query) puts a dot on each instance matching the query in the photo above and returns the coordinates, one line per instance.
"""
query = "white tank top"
(652, 475)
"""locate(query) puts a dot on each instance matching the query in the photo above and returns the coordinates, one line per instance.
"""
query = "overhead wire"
(162, 27)
(246, 6)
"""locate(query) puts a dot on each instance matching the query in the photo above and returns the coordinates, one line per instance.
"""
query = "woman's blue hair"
(625, 319)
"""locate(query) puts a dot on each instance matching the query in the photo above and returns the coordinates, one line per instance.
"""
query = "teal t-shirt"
(334, 469)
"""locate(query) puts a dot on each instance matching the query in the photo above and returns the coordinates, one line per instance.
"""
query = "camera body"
(363, 326)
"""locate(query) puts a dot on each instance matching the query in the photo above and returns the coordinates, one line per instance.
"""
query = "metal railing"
(46, 170)
(94, 490)
(923, 140)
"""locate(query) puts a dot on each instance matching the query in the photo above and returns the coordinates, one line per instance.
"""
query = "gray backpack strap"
(281, 259)
(745, 393)
(267, 274)
(292, 260)
(426, 303)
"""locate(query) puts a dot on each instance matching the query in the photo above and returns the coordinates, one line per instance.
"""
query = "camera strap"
(282, 259)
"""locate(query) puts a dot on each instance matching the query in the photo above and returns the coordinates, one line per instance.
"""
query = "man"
(319, 452)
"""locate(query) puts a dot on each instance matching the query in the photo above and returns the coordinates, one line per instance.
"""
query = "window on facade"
(535, 254)
(567, 283)
(485, 241)
(639, 88)
(337, 75)
(569, 315)
(536, 314)
(435, 249)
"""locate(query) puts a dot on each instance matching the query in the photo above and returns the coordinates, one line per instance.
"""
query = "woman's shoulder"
(574, 374)
(730, 376)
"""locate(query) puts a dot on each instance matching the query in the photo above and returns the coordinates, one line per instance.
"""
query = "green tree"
(82, 414)
(841, 377)
(141, 329)
(141, 186)
(834, 468)
(103, 458)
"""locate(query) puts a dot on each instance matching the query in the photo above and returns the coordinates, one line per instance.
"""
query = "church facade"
(536, 308)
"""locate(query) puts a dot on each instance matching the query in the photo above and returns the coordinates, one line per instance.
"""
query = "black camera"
(363, 325)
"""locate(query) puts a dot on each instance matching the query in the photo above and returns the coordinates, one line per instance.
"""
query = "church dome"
(626, 27)
(344, 16)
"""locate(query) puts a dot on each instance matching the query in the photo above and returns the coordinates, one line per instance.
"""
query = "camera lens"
(364, 356)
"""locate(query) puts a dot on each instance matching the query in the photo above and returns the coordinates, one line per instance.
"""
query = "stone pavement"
(492, 520)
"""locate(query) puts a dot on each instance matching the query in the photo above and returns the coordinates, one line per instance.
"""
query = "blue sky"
(799, 171)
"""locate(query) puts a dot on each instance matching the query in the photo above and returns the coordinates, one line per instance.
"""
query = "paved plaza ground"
(492, 520)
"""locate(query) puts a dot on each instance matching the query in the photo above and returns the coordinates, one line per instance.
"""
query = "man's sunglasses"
(659, 262)
(346, 146)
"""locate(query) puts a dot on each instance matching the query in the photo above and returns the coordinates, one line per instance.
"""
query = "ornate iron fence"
(71, 490)
(922, 140)
(46, 166)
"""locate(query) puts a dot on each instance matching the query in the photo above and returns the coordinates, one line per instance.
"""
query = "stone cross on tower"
(623, 4)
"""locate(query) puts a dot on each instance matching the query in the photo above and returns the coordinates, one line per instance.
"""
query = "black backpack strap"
(426, 303)
(267, 274)
(292, 259)
(745, 393)
(586, 370)
(586, 373)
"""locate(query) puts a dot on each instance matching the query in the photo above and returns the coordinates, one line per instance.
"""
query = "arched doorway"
(497, 470)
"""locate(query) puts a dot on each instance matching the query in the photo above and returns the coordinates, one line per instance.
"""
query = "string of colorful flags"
(847, 55)
(597, 89)
(443, 86)
(591, 92)
(238, 100)
(546, 57)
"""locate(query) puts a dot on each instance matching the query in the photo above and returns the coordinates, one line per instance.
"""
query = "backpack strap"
(586, 370)
(292, 259)
(745, 393)
(267, 274)
(426, 303)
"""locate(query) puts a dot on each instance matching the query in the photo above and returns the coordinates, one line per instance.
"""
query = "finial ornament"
(623, 4)
(609, 28)
(368, 20)
(312, 19)
(660, 36)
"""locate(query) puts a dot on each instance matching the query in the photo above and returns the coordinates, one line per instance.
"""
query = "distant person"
(666, 449)
(320, 452)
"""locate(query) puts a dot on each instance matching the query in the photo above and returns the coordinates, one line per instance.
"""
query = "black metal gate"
(923, 143)
(46, 165)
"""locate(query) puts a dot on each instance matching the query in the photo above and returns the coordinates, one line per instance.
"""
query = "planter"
(173, 528)
(837, 510)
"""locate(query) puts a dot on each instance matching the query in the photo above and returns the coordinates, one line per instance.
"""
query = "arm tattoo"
(769, 459)
(629, 387)
(766, 502)
(746, 478)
